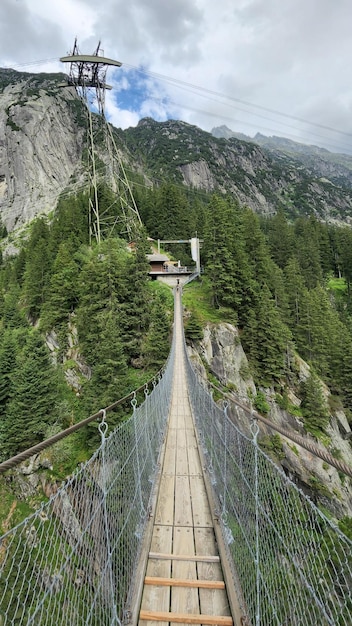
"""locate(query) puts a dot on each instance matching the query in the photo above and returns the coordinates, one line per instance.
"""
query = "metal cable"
(39, 447)
(291, 564)
(301, 441)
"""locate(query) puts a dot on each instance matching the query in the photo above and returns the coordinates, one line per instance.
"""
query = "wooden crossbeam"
(185, 618)
(184, 557)
(184, 582)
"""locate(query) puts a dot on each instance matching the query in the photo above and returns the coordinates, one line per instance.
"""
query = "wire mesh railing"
(292, 566)
(74, 561)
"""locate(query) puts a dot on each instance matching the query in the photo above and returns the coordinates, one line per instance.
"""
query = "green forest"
(285, 284)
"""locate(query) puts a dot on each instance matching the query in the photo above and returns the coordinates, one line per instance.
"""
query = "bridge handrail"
(74, 560)
(301, 441)
(39, 447)
(290, 562)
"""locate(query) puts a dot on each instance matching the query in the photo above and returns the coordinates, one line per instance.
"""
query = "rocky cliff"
(221, 352)
(40, 144)
(42, 130)
(262, 179)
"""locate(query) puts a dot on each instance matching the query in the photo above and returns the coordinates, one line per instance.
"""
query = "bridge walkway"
(184, 581)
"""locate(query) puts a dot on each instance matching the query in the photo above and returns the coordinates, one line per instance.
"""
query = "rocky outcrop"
(198, 175)
(263, 179)
(222, 354)
(42, 130)
(40, 146)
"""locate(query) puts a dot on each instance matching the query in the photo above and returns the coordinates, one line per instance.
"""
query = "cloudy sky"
(271, 66)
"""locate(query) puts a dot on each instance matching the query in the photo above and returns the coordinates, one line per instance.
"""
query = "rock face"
(221, 351)
(42, 130)
(262, 178)
(40, 144)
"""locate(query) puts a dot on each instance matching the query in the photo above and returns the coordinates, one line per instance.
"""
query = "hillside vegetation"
(82, 325)
(107, 327)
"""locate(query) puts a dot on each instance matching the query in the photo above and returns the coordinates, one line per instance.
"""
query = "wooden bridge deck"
(184, 581)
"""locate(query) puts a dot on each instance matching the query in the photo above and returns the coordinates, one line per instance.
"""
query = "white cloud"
(290, 56)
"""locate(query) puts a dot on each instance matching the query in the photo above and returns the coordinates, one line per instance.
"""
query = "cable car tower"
(88, 76)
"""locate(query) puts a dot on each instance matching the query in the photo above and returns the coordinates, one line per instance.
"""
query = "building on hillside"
(157, 263)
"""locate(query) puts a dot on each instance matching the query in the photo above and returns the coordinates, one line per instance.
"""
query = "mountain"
(43, 154)
(41, 138)
(321, 162)
(263, 179)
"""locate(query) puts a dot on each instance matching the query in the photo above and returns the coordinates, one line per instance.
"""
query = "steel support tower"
(88, 76)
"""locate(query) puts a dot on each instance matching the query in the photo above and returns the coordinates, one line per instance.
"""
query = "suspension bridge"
(178, 517)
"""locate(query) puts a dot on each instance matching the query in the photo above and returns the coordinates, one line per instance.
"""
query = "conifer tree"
(170, 215)
(308, 251)
(155, 346)
(227, 264)
(70, 224)
(280, 238)
(109, 373)
(62, 292)
(102, 289)
(12, 313)
(34, 397)
(38, 265)
(7, 365)
(295, 291)
(314, 407)
(134, 309)
(265, 338)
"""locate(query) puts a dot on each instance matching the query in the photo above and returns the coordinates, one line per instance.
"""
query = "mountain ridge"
(42, 155)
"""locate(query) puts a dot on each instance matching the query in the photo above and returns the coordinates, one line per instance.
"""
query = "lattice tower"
(88, 75)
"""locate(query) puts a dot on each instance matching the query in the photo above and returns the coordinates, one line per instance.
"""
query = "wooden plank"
(171, 437)
(200, 505)
(205, 542)
(215, 601)
(158, 596)
(186, 618)
(181, 461)
(185, 557)
(184, 582)
(181, 438)
(195, 468)
(181, 417)
(191, 436)
(169, 466)
(183, 508)
(184, 600)
(165, 508)
(162, 539)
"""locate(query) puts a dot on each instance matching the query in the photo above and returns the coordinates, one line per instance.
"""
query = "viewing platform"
(170, 272)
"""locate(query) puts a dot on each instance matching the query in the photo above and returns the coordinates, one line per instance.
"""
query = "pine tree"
(62, 295)
(103, 288)
(38, 266)
(34, 396)
(70, 224)
(227, 264)
(108, 380)
(134, 309)
(295, 291)
(308, 251)
(169, 218)
(13, 314)
(7, 364)
(265, 339)
(156, 346)
(314, 407)
(280, 238)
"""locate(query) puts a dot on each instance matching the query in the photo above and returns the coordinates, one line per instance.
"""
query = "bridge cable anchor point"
(103, 425)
